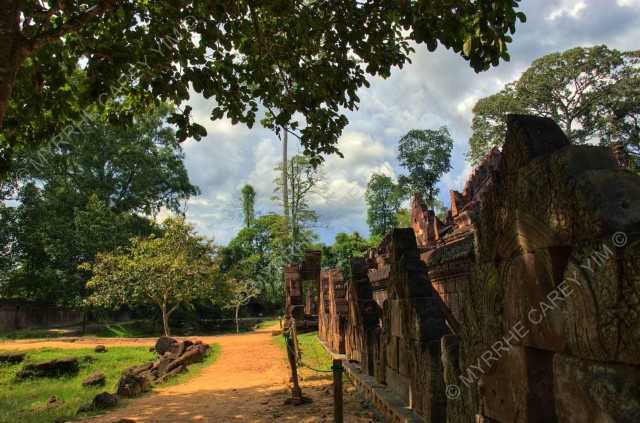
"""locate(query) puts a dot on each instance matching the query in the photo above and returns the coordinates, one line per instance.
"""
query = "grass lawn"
(137, 329)
(267, 323)
(27, 401)
(134, 329)
(313, 354)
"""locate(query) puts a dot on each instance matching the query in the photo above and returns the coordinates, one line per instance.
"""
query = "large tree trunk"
(12, 54)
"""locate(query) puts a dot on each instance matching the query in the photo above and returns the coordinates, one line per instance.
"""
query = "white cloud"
(568, 7)
(629, 3)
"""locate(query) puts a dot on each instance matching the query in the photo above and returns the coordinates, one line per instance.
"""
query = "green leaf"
(467, 47)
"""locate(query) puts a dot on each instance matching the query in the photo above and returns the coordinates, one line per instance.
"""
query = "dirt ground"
(247, 383)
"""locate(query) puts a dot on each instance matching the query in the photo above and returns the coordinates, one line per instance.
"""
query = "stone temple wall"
(377, 261)
(334, 311)
(550, 317)
(323, 305)
(293, 291)
(412, 326)
(298, 304)
(361, 340)
(25, 314)
(522, 306)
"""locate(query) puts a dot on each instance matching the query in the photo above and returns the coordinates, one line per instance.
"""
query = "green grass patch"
(313, 354)
(138, 329)
(30, 334)
(26, 401)
(266, 324)
(121, 330)
(132, 329)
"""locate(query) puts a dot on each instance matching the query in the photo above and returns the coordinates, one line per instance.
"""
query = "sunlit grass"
(122, 330)
(267, 324)
(26, 401)
(313, 354)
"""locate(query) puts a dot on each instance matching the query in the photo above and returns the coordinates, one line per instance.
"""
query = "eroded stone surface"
(591, 391)
(536, 268)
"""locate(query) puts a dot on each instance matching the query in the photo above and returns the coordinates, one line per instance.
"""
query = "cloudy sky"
(437, 89)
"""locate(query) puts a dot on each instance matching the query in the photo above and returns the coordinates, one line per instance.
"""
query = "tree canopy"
(346, 247)
(168, 271)
(383, 199)
(59, 58)
(257, 254)
(87, 196)
(593, 93)
(139, 168)
(426, 154)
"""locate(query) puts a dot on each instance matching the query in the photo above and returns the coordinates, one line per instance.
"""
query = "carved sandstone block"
(519, 386)
(591, 391)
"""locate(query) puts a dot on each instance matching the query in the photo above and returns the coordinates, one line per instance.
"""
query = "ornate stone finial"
(621, 154)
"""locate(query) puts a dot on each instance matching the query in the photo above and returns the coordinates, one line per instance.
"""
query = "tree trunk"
(237, 321)
(285, 179)
(84, 322)
(12, 54)
(165, 321)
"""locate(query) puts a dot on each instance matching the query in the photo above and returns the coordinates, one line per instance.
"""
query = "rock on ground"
(166, 344)
(94, 380)
(54, 401)
(194, 354)
(131, 386)
(49, 368)
(12, 357)
(172, 373)
(104, 400)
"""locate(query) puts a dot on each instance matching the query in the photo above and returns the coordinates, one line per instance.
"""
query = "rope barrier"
(366, 400)
(303, 364)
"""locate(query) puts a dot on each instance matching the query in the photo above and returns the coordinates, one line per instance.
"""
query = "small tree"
(426, 154)
(167, 271)
(248, 204)
(346, 247)
(305, 182)
(241, 293)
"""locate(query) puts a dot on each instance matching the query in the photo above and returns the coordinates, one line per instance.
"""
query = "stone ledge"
(385, 403)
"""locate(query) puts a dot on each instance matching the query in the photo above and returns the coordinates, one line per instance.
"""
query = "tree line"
(77, 226)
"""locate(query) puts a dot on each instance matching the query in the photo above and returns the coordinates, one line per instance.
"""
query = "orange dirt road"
(247, 383)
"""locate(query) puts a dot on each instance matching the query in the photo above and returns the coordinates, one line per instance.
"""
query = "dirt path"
(247, 383)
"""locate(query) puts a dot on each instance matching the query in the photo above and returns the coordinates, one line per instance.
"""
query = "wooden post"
(337, 391)
(296, 392)
(294, 331)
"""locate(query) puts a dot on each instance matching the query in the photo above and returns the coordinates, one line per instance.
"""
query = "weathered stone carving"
(334, 311)
(546, 261)
(537, 271)
(412, 325)
(364, 316)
